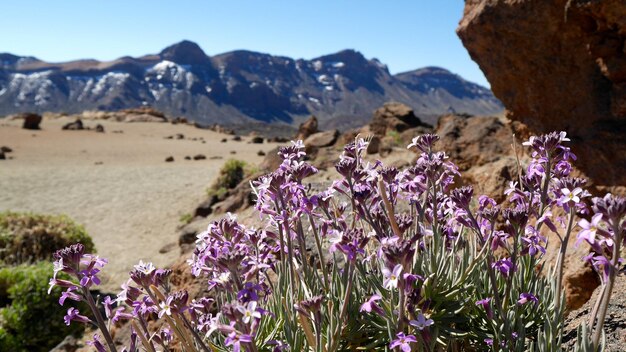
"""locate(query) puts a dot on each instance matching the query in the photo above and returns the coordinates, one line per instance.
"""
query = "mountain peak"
(185, 52)
(347, 55)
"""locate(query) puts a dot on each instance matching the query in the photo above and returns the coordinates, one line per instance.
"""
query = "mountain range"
(341, 89)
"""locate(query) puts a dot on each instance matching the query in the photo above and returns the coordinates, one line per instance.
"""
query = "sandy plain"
(117, 185)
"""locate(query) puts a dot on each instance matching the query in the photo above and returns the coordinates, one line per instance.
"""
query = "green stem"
(609, 286)
(561, 259)
(99, 321)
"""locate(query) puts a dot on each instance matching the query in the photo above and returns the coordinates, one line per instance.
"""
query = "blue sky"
(404, 34)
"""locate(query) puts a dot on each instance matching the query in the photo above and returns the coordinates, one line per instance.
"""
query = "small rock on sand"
(169, 159)
(74, 126)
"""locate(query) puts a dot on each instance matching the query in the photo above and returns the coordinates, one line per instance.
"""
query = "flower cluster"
(378, 259)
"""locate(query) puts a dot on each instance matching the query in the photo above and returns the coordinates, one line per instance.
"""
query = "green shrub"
(186, 218)
(27, 237)
(30, 319)
(231, 174)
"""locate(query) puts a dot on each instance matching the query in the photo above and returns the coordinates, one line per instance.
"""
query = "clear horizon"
(405, 35)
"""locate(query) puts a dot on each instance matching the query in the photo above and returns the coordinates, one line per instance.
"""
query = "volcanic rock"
(614, 325)
(169, 159)
(99, 128)
(271, 161)
(74, 126)
(307, 128)
(393, 117)
(31, 120)
(558, 65)
(204, 209)
(322, 139)
(257, 140)
(6, 149)
(474, 141)
(199, 157)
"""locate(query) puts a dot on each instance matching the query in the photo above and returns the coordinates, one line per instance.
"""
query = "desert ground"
(117, 185)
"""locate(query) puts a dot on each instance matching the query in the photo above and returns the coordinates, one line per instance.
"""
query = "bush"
(27, 237)
(231, 174)
(30, 319)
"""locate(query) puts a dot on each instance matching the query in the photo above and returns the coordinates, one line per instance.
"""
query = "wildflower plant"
(383, 259)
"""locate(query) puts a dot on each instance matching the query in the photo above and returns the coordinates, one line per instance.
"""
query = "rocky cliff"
(558, 65)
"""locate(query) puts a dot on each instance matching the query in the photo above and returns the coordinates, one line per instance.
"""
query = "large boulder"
(31, 120)
(307, 128)
(558, 65)
(322, 139)
(475, 141)
(395, 117)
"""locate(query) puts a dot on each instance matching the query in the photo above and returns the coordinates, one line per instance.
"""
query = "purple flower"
(527, 297)
(462, 196)
(392, 276)
(590, 229)
(69, 293)
(165, 307)
(108, 306)
(504, 266)
(600, 262)
(498, 240)
(97, 345)
(249, 312)
(486, 305)
(249, 292)
(119, 314)
(235, 339)
(612, 207)
(570, 196)
(532, 242)
(61, 283)
(421, 322)
(424, 142)
(73, 315)
(403, 341)
(69, 257)
(371, 306)
(94, 260)
(89, 277)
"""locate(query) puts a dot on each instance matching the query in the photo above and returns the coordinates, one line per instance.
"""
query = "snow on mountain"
(236, 87)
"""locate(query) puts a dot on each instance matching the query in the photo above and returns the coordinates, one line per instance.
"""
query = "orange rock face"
(558, 65)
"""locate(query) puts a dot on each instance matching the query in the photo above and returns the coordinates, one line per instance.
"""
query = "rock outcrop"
(395, 117)
(31, 121)
(74, 126)
(322, 139)
(558, 65)
(307, 128)
(614, 326)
